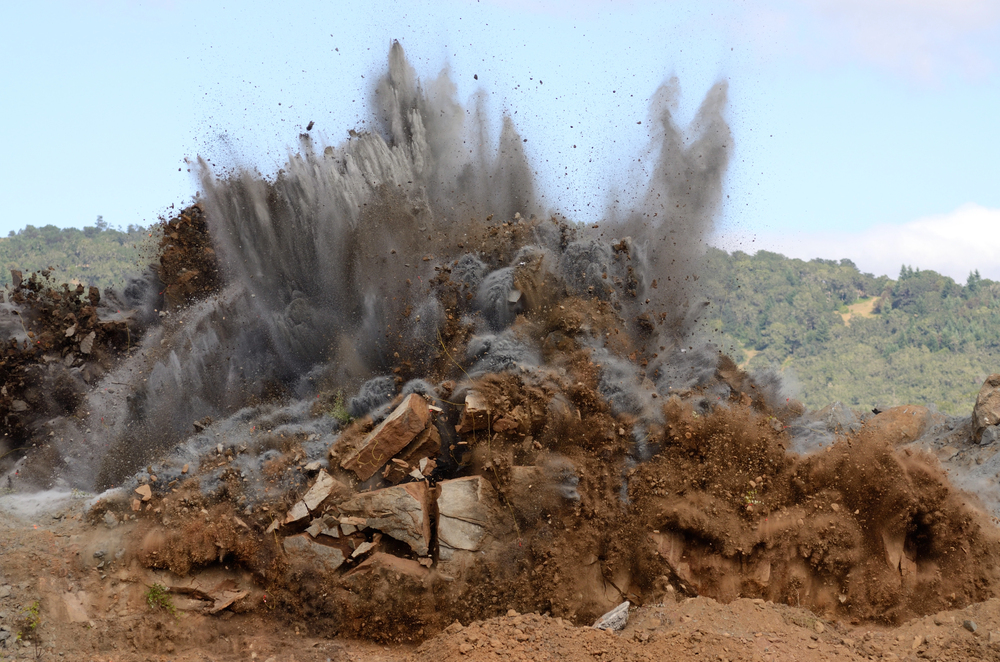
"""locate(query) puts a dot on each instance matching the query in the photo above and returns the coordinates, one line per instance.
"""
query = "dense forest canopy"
(96, 255)
(850, 336)
(835, 333)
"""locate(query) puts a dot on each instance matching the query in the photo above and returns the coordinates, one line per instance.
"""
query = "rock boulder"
(986, 413)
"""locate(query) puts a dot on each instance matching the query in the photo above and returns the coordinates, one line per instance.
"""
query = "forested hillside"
(844, 335)
(96, 255)
(834, 332)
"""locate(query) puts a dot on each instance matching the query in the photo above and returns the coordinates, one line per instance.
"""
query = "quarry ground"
(50, 557)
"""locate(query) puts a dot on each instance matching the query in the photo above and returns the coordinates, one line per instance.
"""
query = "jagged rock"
(426, 444)
(392, 435)
(399, 512)
(298, 512)
(303, 552)
(986, 413)
(465, 514)
(367, 546)
(990, 435)
(324, 486)
(476, 414)
(616, 619)
(87, 344)
(145, 491)
(321, 489)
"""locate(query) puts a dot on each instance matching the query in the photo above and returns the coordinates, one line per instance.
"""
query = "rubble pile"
(60, 340)
(522, 482)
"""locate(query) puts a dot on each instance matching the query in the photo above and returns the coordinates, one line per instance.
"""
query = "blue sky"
(863, 128)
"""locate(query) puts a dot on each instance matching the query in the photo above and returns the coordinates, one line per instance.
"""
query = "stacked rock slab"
(391, 436)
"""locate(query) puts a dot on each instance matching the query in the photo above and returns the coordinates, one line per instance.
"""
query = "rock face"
(392, 435)
(399, 512)
(303, 552)
(986, 413)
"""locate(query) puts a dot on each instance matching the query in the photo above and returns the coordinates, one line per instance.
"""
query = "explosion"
(393, 391)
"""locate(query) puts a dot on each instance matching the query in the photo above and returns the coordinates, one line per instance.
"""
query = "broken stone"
(145, 492)
(391, 436)
(399, 512)
(136, 504)
(316, 527)
(87, 344)
(226, 598)
(324, 486)
(366, 547)
(476, 414)
(426, 445)
(298, 512)
(616, 619)
(304, 552)
(465, 509)
(970, 626)
(110, 519)
(19, 405)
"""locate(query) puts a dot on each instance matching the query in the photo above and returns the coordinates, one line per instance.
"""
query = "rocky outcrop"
(986, 413)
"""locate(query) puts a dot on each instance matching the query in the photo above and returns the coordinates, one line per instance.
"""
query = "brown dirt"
(91, 613)
(863, 536)
(188, 265)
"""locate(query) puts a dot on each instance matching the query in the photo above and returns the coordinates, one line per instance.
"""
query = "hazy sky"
(863, 128)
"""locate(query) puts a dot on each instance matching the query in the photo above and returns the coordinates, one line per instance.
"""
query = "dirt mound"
(860, 529)
(524, 458)
(569, 523)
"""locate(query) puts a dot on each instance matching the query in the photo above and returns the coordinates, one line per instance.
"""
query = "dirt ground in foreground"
(92, 613)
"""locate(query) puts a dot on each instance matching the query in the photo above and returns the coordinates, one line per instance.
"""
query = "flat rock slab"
(465, 509)
(301, 550)
(392, 435)
(324, 486)
(399, 512)
(393, 564)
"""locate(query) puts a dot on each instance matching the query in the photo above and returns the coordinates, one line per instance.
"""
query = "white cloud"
(952, 244)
